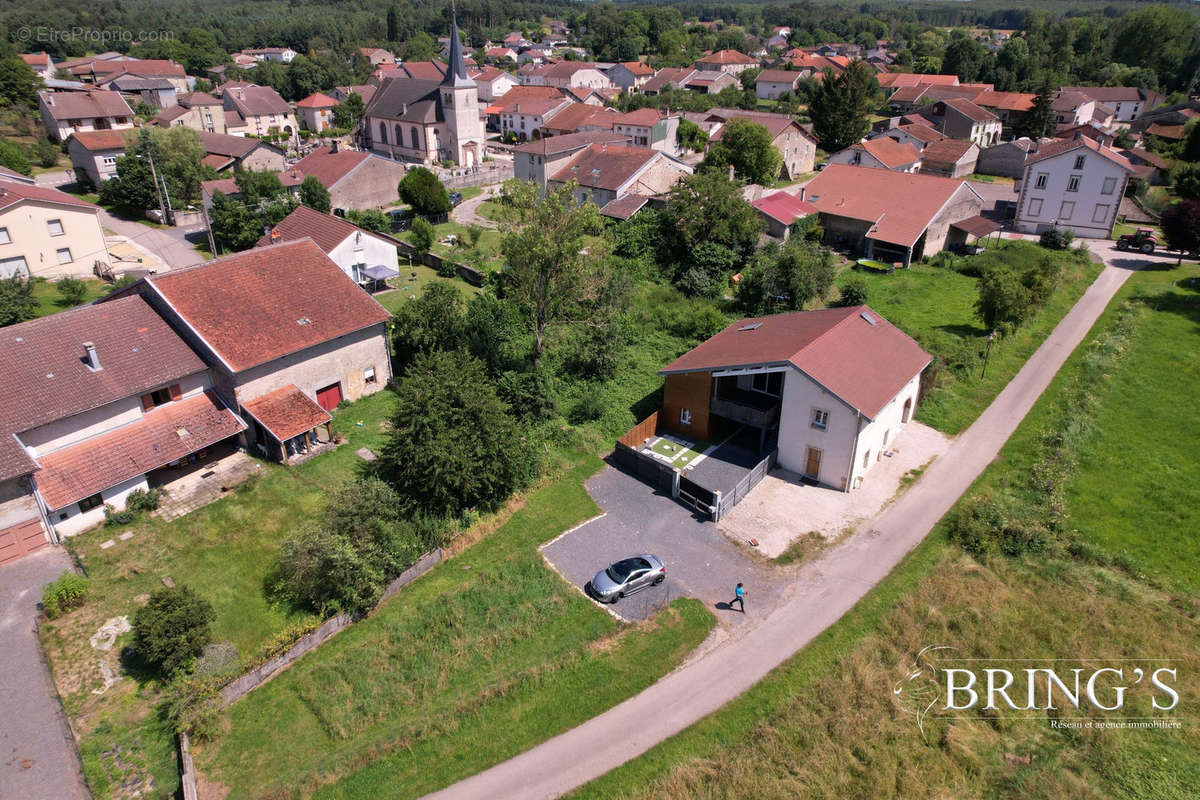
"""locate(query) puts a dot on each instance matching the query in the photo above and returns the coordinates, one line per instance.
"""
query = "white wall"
(367, 251)
(841, 457)
(69, 521)
(1038, 209)
(71, 430)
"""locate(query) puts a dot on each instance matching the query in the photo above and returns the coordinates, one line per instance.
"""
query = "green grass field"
(800, 732)
(223, 551)
(487, 655)
(49, 301)
(937, 308)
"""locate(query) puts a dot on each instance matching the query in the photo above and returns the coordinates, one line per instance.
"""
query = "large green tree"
(841, 106)
(708, 229)
(314, 194)
(550, 277)
(746, 146)
(785, 278)
(1161, 37)
(422, 190)
(1039, 120)
(346, 114)
(453, 444)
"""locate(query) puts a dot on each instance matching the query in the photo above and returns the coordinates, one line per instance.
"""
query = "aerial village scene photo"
(525, 399)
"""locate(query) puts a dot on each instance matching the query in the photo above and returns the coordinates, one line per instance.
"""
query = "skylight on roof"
(304, 321)
(870, 319)
(753, 326)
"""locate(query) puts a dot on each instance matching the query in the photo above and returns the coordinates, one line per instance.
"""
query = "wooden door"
(329, 397)
(812, 467)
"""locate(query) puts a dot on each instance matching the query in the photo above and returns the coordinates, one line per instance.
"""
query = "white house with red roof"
(94, 154)
(492, 83)
(287, 335)
(881, 153)
(315, 112)
(729, 61)
(1072, 183)
(40, 63)
(364, 256)
(65, 113)
(771, 83)
(605, 172)
(831, 390)
(103, 400)
(45, 233)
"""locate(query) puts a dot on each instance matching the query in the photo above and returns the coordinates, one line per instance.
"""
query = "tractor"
(1142, 240)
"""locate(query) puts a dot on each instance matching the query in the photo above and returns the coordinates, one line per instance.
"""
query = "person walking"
(739, 597)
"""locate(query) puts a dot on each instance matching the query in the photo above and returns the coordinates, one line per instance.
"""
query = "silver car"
(628, 576)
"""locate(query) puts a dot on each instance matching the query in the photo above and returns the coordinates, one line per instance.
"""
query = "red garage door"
(21, 539)
(329, 397)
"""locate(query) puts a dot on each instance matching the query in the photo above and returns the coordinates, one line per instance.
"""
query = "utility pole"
(212, 245)
(157, 190)
(169, 219)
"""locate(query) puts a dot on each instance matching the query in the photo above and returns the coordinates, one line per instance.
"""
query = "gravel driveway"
(37, 753)
(700, 561)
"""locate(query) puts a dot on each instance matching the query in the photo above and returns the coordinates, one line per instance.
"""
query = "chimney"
(275, 235)
(49, 98)
(89, 356)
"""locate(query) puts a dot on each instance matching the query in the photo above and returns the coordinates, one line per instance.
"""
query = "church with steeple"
(428, 121)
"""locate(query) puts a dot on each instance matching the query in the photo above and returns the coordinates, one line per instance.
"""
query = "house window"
(820, 419)
(160, 397)
(88, 503)
(1100, 214)
(866, 459)
(13, 266)
(1073, 183)
(4, 237)
(1110, 185)
(1035, 207)
(369, 375)
(685, 416)
(1041, 180)
(1079, 162)
(55, 226)
(64, 255)
(109, 161)
(1066, 210)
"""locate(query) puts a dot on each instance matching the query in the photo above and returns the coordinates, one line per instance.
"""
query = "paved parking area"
(37, 754)
(700, 561)
(782, 508)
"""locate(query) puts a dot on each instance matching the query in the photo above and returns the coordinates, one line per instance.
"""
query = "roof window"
(869, 319)
(753, 326)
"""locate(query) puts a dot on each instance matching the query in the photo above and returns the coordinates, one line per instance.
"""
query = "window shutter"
(175, 391)
(147, 402)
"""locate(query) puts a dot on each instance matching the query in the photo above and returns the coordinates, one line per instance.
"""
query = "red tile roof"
(13, 192)
(37, 59)
(778, 76)
(162, 435)
(578, 115)
(102, 140)
(552, 145)
(424, 70)
(900, 204)
(774, 123)
(727, 57)
(520, 94)
(898, 79)
(978, 226)
(326, 230)
(1059, 146)
(784, 207)
(317, 100)
(256, 306)
(638, 68)
(45, 375)
(923, 133)
(330, 167)
(605, 166)
(256, 101)
(643, 117)
(1006, 101)
(946, 150)
(85, 105)
(889, 152)
(624, 207)
(863, 364)
(286, 412)
(1175, 132)
(970, 110)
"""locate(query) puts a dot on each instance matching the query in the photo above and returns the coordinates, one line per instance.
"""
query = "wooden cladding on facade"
(685, 404)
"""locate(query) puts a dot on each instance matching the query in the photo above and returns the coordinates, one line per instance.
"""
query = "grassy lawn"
(49, 301)
(937, 308)
(1004, 179)
(799, 733)
(1122, 228)
(408, 287)
(487, 655)
(223, 551)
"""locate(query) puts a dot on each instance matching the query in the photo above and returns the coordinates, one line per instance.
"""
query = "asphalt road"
(701, 562)
(37, 753)
(824, 591)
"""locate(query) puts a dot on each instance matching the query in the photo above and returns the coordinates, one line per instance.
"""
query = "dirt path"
(467, 212)
(825, 590)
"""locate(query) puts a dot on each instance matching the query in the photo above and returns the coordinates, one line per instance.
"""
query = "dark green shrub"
(46, 152)
(1056, 238)
(140, 500)
(595, 352)
(72, 290)
(589, 409)
(172, 628)
(977, 524)
(422, 190)
(854, 293)
(528, 394)
(194, 706)
(114, 518)
(64, 593)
